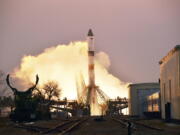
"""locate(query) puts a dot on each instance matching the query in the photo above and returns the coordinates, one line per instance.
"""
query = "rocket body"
(90, 39)
(92, 95)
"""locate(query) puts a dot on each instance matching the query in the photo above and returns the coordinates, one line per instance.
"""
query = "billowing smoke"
(62, 63)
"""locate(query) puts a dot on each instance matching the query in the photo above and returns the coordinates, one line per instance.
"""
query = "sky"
(135, 34)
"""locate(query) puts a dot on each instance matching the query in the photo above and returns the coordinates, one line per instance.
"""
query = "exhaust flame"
(62, 63)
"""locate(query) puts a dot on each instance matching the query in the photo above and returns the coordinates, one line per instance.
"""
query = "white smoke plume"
(61, 63)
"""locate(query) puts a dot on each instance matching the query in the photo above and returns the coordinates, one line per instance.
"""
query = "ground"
(107, 126)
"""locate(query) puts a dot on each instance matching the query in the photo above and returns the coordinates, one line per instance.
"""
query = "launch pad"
(91, 100)
(91, 96)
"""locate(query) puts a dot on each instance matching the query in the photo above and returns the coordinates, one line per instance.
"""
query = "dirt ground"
(92, 127)
(168, 128)
(105, 127)
(7, 128)
(110, 127)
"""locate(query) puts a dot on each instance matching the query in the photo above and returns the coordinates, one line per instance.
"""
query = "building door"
(168, 111)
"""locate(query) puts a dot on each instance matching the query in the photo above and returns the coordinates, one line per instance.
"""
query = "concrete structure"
(170, 84)
(137, 97)
(115, 106)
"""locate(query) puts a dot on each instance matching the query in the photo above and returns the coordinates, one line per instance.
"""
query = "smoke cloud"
(62, 63)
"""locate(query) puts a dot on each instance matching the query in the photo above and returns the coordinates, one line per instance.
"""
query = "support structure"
(25, 106)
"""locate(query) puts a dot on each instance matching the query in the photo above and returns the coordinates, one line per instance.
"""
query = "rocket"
(92, 88)
(90, 39)
(92, 96)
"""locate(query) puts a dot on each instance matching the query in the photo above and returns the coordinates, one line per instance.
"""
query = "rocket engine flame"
(61, 63)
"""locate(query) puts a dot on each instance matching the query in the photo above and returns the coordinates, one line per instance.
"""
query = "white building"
(170, 84)
(138, 95)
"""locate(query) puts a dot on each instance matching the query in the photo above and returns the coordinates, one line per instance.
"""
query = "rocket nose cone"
(90, 33)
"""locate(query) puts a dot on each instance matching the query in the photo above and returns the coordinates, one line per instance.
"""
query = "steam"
(62, 63)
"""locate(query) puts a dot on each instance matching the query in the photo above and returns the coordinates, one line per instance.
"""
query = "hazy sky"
(135, 34)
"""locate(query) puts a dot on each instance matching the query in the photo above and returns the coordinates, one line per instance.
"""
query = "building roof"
(170, 53)
(143, 84)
